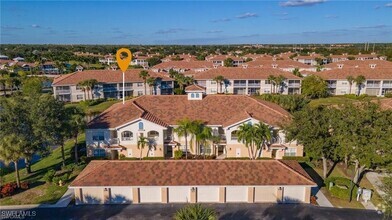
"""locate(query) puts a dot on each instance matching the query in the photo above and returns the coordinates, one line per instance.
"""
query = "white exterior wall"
(121, 195)
(179, 194)
(293, 194)
(150, 194)
(92, 195)
(134, 128)
(236, 194)
(208, 194)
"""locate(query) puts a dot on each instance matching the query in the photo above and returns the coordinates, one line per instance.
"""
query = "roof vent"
(274, 65)
(356, 66)
(215, 66)
(340, 65)
(244, 66)
(274, 59)
(372, 66)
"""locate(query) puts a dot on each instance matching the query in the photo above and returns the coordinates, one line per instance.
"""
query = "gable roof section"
(105, 76)
(195, 87)
(167, 110)
(198, 173)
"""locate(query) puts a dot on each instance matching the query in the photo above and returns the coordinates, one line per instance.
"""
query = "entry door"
(238, 152)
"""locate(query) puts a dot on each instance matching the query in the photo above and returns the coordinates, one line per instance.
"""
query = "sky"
(195, 22)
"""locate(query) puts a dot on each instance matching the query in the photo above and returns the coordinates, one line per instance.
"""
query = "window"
(126, 136)
(344, 83)
(78, 87)
(197, 95)
(153, 134)
(139, 84)
(213, 82)
(213, 91)
(141, 126)
(291, 152)
(79, 97)
(234, 135)
(192, 95)
(98, 136)
(268, 82)
(139, 93)
(99, 152)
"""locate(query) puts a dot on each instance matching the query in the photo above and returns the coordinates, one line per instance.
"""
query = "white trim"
(136, 120)
(74, 187)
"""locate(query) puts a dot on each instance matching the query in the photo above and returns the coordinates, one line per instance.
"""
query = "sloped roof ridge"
(62, 77)
(308, 178)
(259, 102)
(99, 164)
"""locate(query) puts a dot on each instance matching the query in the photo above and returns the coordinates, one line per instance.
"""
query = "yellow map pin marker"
(123, 63)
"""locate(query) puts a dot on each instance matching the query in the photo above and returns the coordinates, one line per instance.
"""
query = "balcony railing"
(254, 85)
(239, 84)
(387, 85)
(295, 85)
(63, 91)
(332, 85)
(373, 85)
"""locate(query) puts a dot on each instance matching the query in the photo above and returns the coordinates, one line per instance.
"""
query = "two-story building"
(247, 81)
(117, 130)
(110, 85)
(182, 66)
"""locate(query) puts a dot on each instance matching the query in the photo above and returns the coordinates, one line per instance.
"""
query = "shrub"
(24, 185)
(237, 158)
(48, 177)
(8, 189)
(264, 158)
(388, 95)
(196, 211)
(129, 158)
(178, 154)
(153, 158)
(299, 159)
(63, 178)
(122, 156)
(340, 188)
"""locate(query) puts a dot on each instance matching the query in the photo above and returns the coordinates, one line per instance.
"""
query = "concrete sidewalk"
(62, 203)
(321, 199)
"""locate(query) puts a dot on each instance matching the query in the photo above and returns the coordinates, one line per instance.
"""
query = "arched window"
(141, 126)
(153, 134)
(234, 135)
(126, 136)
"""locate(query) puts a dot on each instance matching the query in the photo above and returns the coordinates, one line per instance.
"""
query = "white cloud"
(221, 20)
(389, 5)
(35, 26)
(247, 15)
(298, 3)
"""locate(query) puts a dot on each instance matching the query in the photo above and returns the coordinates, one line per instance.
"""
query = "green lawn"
(95, 109)
(339, 100)
(39, 191)
(340, 171)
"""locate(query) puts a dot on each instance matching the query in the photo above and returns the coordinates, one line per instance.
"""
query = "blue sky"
(195, 22)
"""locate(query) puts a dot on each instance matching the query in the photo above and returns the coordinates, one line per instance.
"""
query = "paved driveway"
(225, 211)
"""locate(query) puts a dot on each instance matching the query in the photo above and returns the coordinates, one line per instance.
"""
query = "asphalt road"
(225, 211)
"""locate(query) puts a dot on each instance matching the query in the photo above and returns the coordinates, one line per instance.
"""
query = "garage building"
(192, 181)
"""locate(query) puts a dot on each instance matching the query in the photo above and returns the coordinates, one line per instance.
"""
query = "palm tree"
(83, 86)
(262, 135)
(359, 81)
(204, 137)
(272, 80)
(244, 134)
(195, 130)
(78, 124)
(296, 72)
(350, 80)
(184, 129)
(279, 82)
(195, 211)
(141, 144)
(219, 79)
(151, 83)
(11, 150)
(91, 85)
(144, 75)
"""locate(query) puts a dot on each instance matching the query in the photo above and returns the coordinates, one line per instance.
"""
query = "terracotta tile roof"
(224, 57)
(360, 64)
(183, 64)
(280, 64)
(195, 87)
(221, 110)
(106, 76)
(369, 73)
(243, 73)
(192, 173)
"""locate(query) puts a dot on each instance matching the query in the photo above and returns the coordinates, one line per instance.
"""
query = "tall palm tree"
(219, 79)
(78, 124)
(272, 80)
(244, 134)
(350, 80)
(279, 82)
(359, 80)
(12, 150)
(195, 130)
(144, 75)
(141, 144)
(204, 137)
(183, 130)
(83, 87)
(262, 135)
(91, 85)
(151, 83)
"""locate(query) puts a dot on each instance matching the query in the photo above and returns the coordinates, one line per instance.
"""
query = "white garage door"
(293, 194)
(208, 194)
(150, 194)
(180, 194)
(236, 194)
(92, 195)
(121, 195)
(265, 194)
